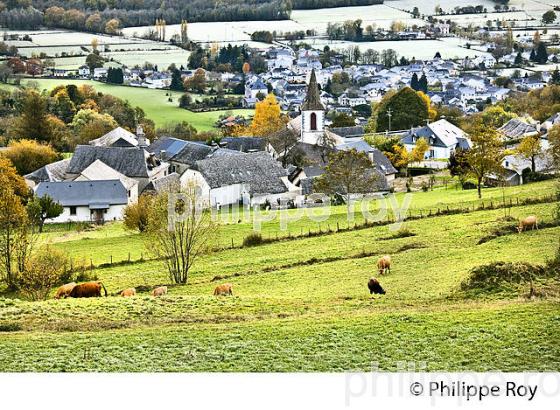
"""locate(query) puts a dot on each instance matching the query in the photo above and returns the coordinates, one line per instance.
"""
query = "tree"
(63, 106)
(268, 118)
(136, 215)
(555, 77)
(176, 81)
(530, 148)
(39, 209)
(283, 141)
(458, 165)
(115, 76)
(541, 56)
(404, 109)
(486, 154)
(414, 82)
(549, 17)
(554, 141)
(28, 156)
(196, 83)
(518, 59)
(15, 238)
(423, 84)
(94, 60)
(494, 116)
(342, 120)
(112, 26)
(347, 172)
(179, 237)
(43, 272)
(32, 120)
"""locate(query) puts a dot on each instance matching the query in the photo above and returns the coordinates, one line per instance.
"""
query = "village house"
(443, 138)
(86, 201)
(228, 180)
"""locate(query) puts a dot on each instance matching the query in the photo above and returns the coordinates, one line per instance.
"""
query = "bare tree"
(179, 231)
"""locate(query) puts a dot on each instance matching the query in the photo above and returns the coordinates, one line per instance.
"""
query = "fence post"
(128, 257)
(111, 260)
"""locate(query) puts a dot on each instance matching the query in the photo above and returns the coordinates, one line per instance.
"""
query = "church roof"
(313, 99)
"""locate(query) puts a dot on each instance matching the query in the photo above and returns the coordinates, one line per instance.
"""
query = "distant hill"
(94, 15)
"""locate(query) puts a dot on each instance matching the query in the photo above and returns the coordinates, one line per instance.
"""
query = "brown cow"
(64, 290)
(529, 222)
(375, 287)
(224, 290)
(162, 290)
(88, 290)
(128, 293)
(384, 264)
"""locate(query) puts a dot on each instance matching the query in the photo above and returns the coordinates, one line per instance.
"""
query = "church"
(312, 114)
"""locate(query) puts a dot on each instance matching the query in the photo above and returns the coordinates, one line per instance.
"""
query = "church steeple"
(312, 113)
(313, 99)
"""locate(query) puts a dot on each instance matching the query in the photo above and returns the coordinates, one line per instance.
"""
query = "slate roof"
(49, 173)
(85, 193)
(98, 170)
(313, 99)
(258, 170)
(128, 161)
(348, 132)
(171, 182)
(192, 152)
(443, 133)
(516, 128)
(172, 146)
(127, 138)
(245, 144)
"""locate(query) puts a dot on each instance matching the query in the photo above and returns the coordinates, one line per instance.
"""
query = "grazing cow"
(128, 293)
(384, 264)
(88, 290)
(375, 287)
(224, 290)
(529, 222)
(64, 290)
(162, 290)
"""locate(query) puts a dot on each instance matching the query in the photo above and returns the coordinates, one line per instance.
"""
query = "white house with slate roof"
(229, 180)
(442, 136)
(87, 201)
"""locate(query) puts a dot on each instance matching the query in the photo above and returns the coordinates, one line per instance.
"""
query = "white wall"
(83, 214)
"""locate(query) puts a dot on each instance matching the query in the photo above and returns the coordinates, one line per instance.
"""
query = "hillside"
(303, 305)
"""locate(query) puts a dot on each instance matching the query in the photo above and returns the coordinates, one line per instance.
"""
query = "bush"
(498, 276)
(469, 185)
(136, 215)
(43, 272)
(253, 239)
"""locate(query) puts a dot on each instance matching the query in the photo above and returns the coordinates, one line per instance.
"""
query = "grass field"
(154, 102)
(303, 305)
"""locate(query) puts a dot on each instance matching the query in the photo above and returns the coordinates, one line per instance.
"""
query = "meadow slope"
(303, 305)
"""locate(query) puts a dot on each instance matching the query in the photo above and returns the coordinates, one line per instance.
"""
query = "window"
(313, 121)
(72, 210)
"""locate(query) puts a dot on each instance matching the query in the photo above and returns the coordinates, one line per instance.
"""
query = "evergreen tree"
(414, 82)
(533, 56)
(176, 81)
(423, 84)
(542, 53)
(518, 59)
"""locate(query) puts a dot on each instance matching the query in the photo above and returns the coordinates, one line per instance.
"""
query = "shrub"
(10, 327)
(43, 271)
(136, 215)
(498, 276)
(253, 239)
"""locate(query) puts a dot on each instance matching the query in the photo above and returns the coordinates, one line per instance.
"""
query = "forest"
(111, 15)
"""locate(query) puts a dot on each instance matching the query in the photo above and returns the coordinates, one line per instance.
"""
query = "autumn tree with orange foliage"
(268, 119)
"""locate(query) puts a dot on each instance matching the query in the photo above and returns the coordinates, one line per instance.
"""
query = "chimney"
(141, 137)
(163, 154)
